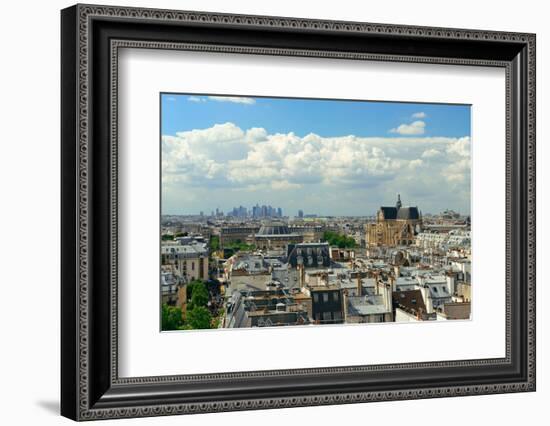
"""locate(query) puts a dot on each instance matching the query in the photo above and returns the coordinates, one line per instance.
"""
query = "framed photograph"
(263, 212)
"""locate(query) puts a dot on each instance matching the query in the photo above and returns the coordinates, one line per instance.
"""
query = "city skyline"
(325, 157)
(227, 212)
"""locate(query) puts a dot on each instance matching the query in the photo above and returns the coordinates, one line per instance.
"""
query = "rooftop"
(367, 305)
(274, 228)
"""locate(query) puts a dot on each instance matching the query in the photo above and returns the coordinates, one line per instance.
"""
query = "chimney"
(451, 283)
(301, 273)
(427, 299)
(345, 302)
(388, 297)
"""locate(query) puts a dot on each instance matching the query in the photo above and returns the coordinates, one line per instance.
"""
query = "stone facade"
(394, 226)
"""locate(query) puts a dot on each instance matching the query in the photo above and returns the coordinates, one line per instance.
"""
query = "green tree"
(341, 241)
(199, 318)
(238, 245)
(218, 319)
(171, 317)
(214, 242)
(167, 237)
(191, 286)
(199, 294)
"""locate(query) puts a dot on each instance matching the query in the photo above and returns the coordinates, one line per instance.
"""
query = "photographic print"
(310, 212)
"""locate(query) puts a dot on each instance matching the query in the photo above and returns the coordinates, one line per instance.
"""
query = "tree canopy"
(197, 293)
(171, 318)
(339, 240)
(199, 318)
(197, 315)
(199, 296)
(214, 243)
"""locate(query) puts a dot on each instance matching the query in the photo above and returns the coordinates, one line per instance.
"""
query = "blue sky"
(302, 116)
(329, 157)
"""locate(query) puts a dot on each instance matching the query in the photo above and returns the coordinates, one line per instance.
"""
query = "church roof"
(408, 213)
(401, 213)
(389, 212)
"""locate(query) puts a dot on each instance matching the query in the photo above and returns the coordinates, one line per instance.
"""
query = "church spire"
(398, 204)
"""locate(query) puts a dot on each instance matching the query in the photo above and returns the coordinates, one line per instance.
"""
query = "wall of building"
(402, 316)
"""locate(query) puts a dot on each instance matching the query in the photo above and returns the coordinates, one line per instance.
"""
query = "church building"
(394, 226)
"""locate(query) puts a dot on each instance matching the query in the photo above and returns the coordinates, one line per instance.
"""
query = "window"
(337, 316)
(327, 316)
(336, 296)
(192, 266)
(316, 297)
(325, 297)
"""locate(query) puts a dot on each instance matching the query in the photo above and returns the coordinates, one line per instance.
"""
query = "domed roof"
(274, 228)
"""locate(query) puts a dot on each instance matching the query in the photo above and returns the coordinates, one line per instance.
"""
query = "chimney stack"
(345, 302)
(301, 275)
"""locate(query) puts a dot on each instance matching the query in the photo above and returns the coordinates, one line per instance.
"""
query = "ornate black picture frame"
(91, 36)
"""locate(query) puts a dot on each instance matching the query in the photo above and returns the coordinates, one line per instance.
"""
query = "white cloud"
(416, 163)
(415, 128)
(215, 134)
(460, 147)
(431, 153)
(233, 99)
(282, 185)
(196, 99)
(419, 115)
(253, 161)
(226, 165)
(256, 134)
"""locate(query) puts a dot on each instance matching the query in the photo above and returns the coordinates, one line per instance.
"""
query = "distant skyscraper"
(265, 211)
(300, 214)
